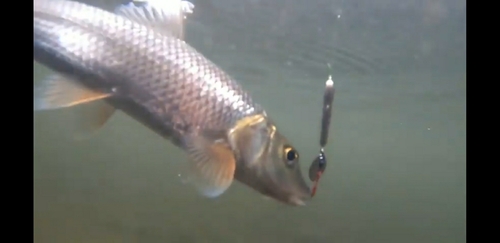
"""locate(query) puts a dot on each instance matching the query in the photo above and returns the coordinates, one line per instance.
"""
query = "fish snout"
(297, 200)
(299, 197)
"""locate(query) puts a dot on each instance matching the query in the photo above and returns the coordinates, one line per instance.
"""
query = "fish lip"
(297, 196)
(288, 198)
(296, 201)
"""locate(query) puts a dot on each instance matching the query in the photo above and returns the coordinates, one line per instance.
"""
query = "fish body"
(135, 60)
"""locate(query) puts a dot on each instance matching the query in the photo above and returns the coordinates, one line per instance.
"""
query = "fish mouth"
(296, 201)
(294, 195)
(300, 194)
(290, 198)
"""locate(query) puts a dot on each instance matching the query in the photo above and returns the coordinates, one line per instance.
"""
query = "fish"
(135, 60)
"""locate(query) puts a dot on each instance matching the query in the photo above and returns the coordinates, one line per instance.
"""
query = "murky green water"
(396, 168)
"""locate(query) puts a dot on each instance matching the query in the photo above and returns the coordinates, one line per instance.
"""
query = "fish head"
(267, 162)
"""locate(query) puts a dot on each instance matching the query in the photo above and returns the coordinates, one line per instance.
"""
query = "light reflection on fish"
(136, 60)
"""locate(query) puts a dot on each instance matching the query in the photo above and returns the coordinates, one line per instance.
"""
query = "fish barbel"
(136, 60)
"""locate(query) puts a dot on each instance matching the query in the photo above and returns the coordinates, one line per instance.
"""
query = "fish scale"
(158, 65)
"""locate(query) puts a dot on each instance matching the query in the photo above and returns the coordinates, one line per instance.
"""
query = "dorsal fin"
(165, 16)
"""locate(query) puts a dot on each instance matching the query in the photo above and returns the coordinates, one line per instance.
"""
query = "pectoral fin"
(59, 91)
(91, 117)
(211, 166)
(165, 16)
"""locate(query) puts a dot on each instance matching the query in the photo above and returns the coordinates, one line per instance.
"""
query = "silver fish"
(136, 60)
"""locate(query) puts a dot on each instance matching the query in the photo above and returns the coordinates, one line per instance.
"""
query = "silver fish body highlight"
(149, 72)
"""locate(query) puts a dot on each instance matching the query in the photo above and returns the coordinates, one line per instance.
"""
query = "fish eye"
(291, 155)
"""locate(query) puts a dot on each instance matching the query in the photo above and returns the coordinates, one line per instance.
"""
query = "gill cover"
(250, 138)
